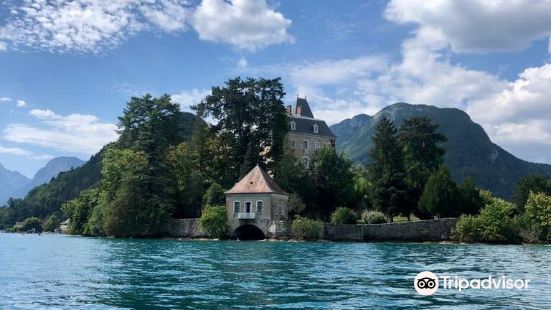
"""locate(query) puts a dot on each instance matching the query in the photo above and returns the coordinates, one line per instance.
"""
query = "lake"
(57, 271)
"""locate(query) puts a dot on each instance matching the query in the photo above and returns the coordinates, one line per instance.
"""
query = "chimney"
(290, 109)
(299, 110)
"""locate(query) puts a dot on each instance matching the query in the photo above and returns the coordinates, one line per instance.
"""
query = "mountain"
(52, 169)
(469, 150)
(10, 181)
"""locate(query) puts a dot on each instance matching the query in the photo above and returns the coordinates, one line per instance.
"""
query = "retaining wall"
(429, 230)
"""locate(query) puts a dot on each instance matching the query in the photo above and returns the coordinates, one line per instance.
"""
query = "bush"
(214, 196)
(305, 229)
(496, 224)
(373, 217)
(467, 229)
(213, 221)
(52, 223)
(343, 216)
(440, 195)
(538, 215)
(31, 223)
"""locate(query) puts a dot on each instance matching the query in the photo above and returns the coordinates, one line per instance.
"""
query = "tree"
(333, 180)
(389, 191)
(52, 223)
(344, 215)
(252, 121)
(470, 200)
(296, 206)
(150, 126)
(32, 224)
(531, 183)
(130, 210)
(214, 196)
(440, 196)
(422, 155)
(213, 221)
(294, 178)
(185, 166)
(79, 209)
(538, 214)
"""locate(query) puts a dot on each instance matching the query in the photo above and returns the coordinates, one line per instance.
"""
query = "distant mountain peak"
(469, 150)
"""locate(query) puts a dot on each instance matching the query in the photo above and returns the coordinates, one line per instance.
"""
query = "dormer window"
(316, 128)
(293, 125)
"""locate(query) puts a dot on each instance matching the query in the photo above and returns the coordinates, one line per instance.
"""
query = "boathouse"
(253, 204)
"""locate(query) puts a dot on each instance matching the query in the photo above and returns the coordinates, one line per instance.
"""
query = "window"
(305, 144)
(259, 206)
(306, 162)
(293, 144)
(293, 125)
(318, 146)
(236, 206)
(316, 128)
(248, 205)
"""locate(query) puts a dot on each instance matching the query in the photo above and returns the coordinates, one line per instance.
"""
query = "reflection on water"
(74, 272)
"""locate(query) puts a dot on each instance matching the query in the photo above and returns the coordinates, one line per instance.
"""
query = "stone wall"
(429, 230)
(183, 228)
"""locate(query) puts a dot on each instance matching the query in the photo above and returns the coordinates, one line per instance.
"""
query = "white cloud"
(477, 25)
(242, 63)
(21, 152)
(21, 103)
(5, 99)
(247, 24)
(188, 98)
(75, 133)
(89, 26)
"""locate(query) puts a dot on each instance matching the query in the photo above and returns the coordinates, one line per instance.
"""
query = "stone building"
(253, 204)
(306, 133)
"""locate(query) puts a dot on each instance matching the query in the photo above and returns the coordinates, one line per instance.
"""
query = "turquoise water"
(56, 271)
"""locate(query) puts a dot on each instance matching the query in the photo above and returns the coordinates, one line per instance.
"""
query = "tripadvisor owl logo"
(426, 283)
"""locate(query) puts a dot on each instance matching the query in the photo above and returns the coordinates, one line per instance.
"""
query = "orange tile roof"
(256, 181)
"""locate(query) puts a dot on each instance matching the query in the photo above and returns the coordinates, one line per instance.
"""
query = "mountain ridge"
(469, 150)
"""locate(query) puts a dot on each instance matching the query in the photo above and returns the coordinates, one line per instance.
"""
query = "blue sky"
(67, 68)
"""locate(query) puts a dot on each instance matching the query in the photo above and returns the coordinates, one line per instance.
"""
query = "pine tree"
(389, 193)
(440, 196)
(422, 151)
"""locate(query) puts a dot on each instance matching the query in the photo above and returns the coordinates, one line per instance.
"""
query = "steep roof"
(306, 111)
(306, 125)
(256, 181)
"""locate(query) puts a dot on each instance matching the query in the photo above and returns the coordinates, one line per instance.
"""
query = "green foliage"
(362, 187)
(344, 215)
(373, 217)
(184, 162)
(531, 183)
(467, 229)
(422, 155)
(251, 118)
(31, 224)
(495, 224)
(333, 181)
(295, 204)
(538, 214)
(213, 221)
(130, 210)
(292, 176)
(468, 148)
(470, 200)
(440, 196)
(387, 175)
(52, 223)
(305, 229)
(214, 195)
(78, 210)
